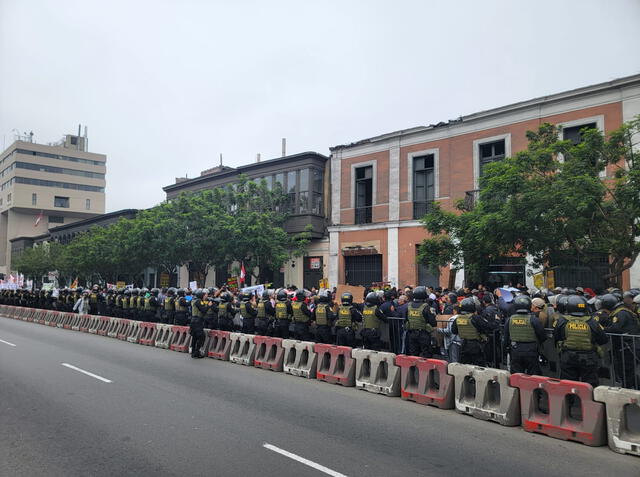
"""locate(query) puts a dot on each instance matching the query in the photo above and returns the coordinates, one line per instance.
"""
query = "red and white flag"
(243, 273)
(39, 218)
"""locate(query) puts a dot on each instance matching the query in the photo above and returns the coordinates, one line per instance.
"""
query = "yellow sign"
(538, 280)
(164, 279)
(120, 284)
(551, 279)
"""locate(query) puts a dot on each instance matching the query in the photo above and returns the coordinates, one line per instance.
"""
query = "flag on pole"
(75, 283)
(39, 218)
(243, 273)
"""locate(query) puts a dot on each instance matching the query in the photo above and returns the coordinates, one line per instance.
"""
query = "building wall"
(456, 171)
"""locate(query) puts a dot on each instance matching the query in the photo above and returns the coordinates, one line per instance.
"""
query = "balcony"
(420, 209)
(364, 215)
(471, 197)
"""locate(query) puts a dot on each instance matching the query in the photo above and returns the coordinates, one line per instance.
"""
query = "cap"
(580, 289)
(538, 302)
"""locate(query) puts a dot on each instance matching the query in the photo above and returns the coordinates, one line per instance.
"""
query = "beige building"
(44, 186)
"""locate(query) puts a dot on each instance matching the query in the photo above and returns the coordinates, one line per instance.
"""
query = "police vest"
(370, 318)
(141, 301)
(169, 304)
(415, 319)
(180, 308)
(344, 316)
(577, 334)
(119, 301)
(93, 298)
(244, 312)
(147, 304)
(229, 311)
(262, 311)
(281, 311)
(466, 330)
(298, 314)
(125, 303)
(520, 329)
(195, 312)
(321, 315)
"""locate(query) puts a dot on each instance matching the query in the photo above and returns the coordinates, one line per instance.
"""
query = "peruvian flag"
(243, 273)
(39, 218)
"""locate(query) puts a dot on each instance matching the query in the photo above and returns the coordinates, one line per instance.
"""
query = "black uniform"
(248, 313)
(473, 329)
(372, 315)
(182, 311)
(345, 323)
(324, 318)
(199, 309)
(226, 313)
(577, 338)
(625, 321)
(284, 312)
(211, 318)
(522, 335)
(419, 324)
(301, 318)
(264, 316)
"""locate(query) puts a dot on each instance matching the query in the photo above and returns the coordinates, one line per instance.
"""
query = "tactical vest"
(229, 311)
(195, 312)
(93, 298)
(179, 307)
(369, 317)
(244, 312)
(344, 316)
(169, 303)
(141, 301)
(466, 330)
(520, 329)
(321, 315)
(415, 319)
(298, 315)
(125, 303)
(577, 334)
(262, 311)
(118, 301)
(147, 304)
(281, 311)
(625, 308)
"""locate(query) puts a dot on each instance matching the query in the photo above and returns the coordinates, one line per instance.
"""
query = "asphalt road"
(158, 412)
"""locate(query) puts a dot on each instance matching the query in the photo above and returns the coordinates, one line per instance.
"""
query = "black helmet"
(346, 298)
(561, 303)
(629, 295)
(180, 291)
(608, 302)
(135, 291)
(199, 293)
(282, 295)
(300, 295)
(171, 291)
(127, 291)
(78, 290)
(577, 305)
(213, 291)
(389, 294)
(420, 293)
(522, 304)
(155, 291)
(266, 295)
(95, 287)
(245, 297)
(110, 291)
(372, 299)
(323, 296)
(468, 305)
(226, 297)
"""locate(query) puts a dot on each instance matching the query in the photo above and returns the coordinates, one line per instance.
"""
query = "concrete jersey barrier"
(242, 348)
(300, 358)
(376, 372)
(620, 405)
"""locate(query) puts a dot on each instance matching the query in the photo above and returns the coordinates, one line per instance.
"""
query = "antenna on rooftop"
(220, 159)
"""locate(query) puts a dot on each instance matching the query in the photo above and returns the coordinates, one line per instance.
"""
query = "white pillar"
(394, 184)
(631, 109)
(392, 255)
(334, 250)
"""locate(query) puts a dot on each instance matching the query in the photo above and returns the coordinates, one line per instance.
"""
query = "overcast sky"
(166, 86)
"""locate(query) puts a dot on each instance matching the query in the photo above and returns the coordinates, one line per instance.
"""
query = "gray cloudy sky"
(166, 86)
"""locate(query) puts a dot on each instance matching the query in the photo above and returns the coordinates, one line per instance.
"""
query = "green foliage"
(549, 202)
(241, 222)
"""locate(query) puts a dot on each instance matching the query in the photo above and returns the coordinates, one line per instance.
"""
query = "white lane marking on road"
(70, 366)
(7, 343)
(302, 460)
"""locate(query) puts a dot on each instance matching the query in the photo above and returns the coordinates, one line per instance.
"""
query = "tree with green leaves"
(554, 202)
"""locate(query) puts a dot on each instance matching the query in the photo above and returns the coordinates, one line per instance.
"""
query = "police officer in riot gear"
(473, 330)
(226, 312)
(248, 313)
(133, 304)
(94, 299)
(419, 324)
(182, 308)
(284, 312)
(577, 335)
(523, 332)
(141, 302)
(324, 317)
(301, 317)
(624, 320)
(170, 306)
(608, 304)
(151, 305)
(348, 317)
(199, 307)
(211, 318)
(265, 314)
(372, 316)
(126, 298)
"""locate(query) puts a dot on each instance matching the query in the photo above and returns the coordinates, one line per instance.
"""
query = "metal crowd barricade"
(624, 360)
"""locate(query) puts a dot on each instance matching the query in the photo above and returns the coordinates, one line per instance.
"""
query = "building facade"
(42, 186)
(382, 185)
(305, 178)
